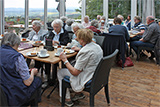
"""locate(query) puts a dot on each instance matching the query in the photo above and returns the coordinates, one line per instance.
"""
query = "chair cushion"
(87, 85)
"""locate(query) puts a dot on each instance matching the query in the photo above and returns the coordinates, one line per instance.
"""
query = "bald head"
(150, 19)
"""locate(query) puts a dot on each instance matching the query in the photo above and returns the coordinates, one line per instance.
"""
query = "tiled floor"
(137, 86)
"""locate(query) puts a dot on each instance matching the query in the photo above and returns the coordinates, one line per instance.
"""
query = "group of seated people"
(21, 85)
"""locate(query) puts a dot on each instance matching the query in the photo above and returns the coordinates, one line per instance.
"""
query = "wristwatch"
(65, 62)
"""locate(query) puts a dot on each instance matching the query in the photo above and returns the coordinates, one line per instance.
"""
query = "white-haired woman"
(37, 32)
(59, 35)
(19, 85)
(75, 45)
(86, 22)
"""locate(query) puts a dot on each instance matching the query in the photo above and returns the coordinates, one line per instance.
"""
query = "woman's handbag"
(128, 62)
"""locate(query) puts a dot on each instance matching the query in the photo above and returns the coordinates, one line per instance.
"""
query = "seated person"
(121, 17)
(59, 35)
(138, 26)
(94, 26)
(150, 36)
(128, 22)
(64, 19)
(68, 24)
(87, 60)
(102, 23)
(119, 29)
(75, 44)
(98, 18)
(86, 22)
(19, 85)
(37, 32)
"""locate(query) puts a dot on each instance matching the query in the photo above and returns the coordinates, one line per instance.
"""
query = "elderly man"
(150, 35)
(37, 33)
(59, 35)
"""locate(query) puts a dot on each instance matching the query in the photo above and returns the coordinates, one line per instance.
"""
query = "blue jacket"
(11, 82)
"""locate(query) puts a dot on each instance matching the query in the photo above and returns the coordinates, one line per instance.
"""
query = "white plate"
(41, 43)
(44, 56)
(70, 51)
(61, 46)
(56, 54)
(29, 54)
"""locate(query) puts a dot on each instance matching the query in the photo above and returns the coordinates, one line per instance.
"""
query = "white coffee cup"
(59, 50)
(43, 52)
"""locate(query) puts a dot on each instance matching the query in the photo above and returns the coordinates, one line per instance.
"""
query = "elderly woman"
(86, 22)
(75, 44)
(19, 85)
(37, 32)
(59, 35)
(87, 60)
(94, 26)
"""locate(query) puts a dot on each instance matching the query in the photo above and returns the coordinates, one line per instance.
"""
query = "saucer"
(43, 56)
(29, 54)
(56, 54)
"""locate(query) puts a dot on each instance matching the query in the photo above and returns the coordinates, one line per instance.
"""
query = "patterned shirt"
(139, 26)
(22, 68)
(33, 36)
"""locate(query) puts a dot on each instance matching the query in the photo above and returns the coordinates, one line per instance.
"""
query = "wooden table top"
(52, 59)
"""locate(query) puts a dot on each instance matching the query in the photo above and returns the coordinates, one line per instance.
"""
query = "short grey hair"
(37, 23)
(94, 23)
(57, 21)
(75, 24)
(69, 22)
(64, 18)
(120, 16)
(103, 17)
(10, 39)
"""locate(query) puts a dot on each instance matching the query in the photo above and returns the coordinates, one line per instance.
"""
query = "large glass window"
(157, 9)
(94, 8)
(117, 7)
(14, 15)
(72, 7)
(52, 10)
(36, 10)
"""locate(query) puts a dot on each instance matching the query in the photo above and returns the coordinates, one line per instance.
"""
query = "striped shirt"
(139, 26)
